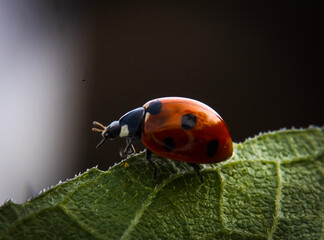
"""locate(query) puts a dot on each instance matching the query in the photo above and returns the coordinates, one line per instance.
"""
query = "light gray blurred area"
(43, 57)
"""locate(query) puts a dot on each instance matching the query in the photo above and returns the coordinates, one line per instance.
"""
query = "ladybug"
(177, 128)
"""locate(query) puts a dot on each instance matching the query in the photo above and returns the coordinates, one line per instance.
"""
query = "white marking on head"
(147, 115)
(124, 132)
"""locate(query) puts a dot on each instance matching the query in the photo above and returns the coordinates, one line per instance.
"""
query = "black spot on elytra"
(188, 121)
(169, 144)
(212, 148)
(154, 108)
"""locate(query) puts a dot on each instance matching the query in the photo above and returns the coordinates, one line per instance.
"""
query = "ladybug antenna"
(101, 142)
(99, 125)
(102, 130)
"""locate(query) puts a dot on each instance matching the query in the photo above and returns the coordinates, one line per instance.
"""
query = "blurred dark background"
(258, 65)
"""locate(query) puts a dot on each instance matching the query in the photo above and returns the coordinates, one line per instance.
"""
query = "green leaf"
(272, 188)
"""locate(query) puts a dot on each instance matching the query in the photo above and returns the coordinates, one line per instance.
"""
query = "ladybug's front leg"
(148, 157)
(129, 149)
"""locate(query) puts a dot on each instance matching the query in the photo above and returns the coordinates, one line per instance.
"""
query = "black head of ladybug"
(110, 132)
(129, 125)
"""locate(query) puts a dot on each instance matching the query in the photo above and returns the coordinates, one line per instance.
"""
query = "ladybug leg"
(148, 157)
(129, 149)
(196, 167)
(129, 145)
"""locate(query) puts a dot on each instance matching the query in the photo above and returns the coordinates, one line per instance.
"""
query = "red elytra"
(205, 137)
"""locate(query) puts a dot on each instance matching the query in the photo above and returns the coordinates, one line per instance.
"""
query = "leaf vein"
(93, 233)
(140, 212)
(277, 202)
